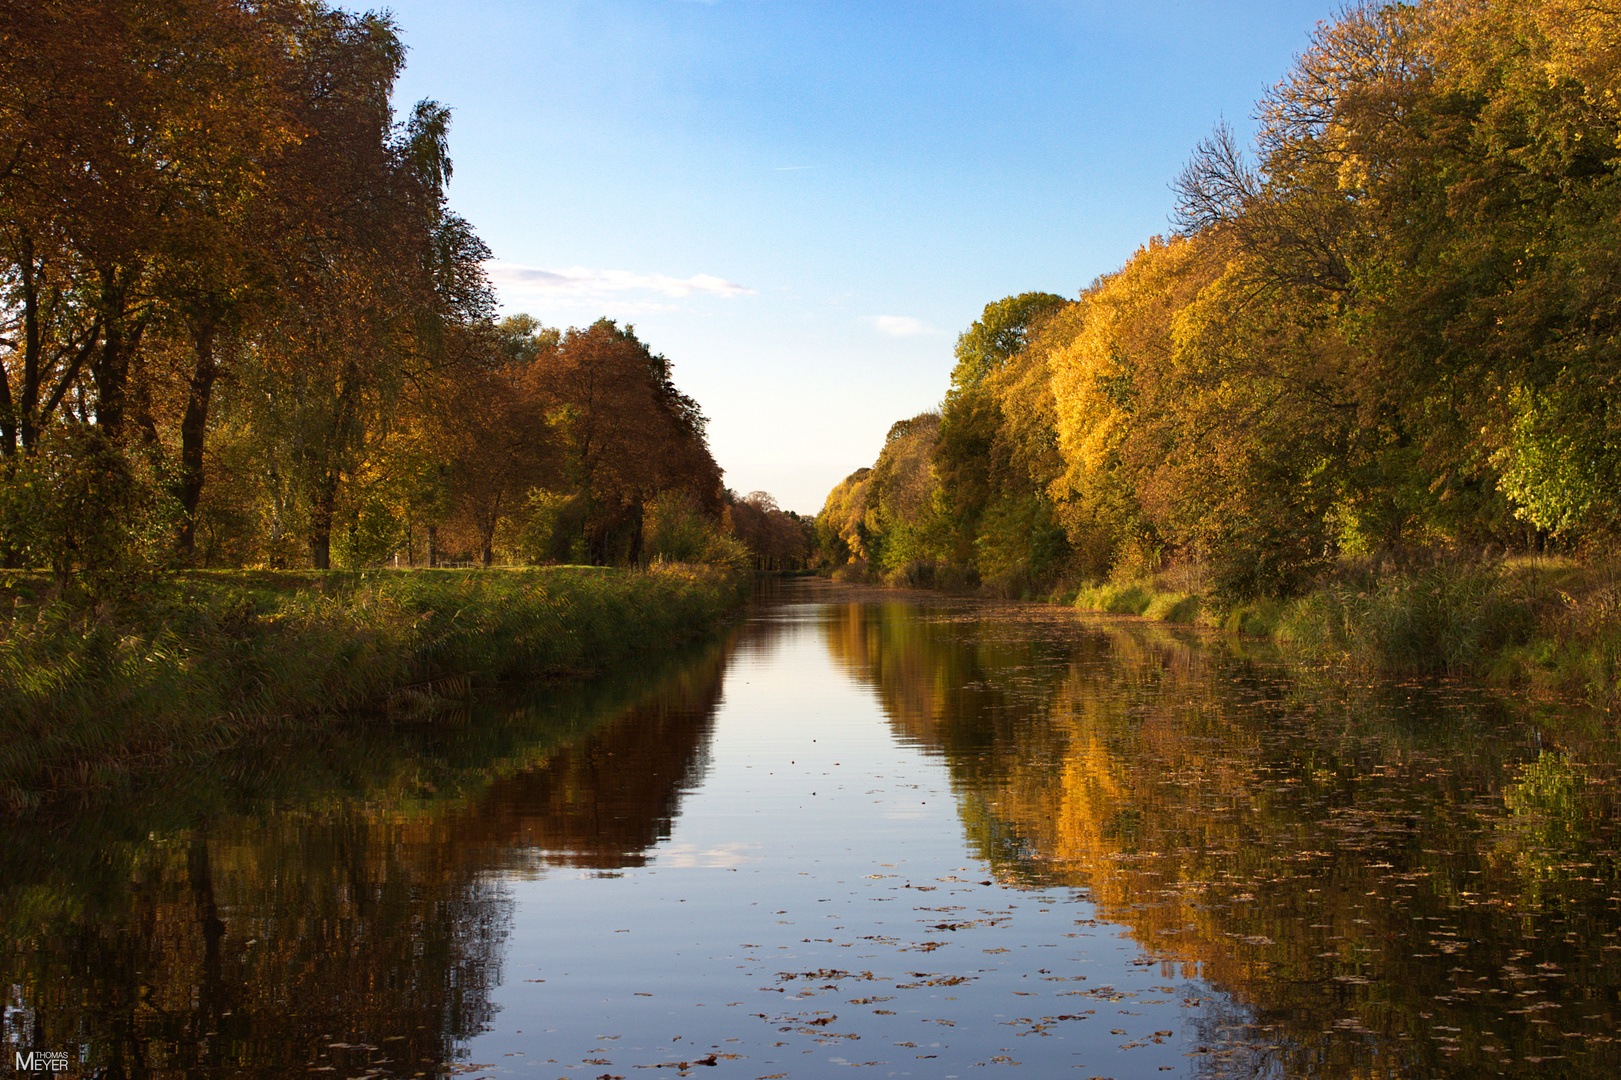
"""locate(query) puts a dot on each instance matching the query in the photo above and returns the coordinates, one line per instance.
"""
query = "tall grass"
(1450, 618)
(1148, 597)
(198, 660)
(1548, 624)
(1577, 648)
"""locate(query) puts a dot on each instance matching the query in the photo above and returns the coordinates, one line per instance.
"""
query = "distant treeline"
(239, 324)
(1389, 326)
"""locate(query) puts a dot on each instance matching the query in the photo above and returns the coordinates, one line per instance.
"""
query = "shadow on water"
(334, 902)
(1382, 879)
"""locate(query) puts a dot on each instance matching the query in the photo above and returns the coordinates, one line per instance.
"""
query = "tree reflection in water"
(332, 903)
(1391, 879)
(1376, 879)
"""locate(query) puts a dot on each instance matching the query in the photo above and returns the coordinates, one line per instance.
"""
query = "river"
(907, 836)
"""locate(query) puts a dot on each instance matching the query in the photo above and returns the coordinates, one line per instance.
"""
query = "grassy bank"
(192, 662)
(1549, 625)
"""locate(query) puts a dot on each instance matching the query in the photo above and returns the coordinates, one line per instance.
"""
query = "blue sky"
(802, 204)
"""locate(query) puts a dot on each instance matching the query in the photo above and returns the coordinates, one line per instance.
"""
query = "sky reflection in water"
(913, 840)
(982, 835)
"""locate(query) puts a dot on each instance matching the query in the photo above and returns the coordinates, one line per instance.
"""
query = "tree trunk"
(321, 514)
(193, 428)
(9, 426)
(636, 518)
(119, 341)
(321, 549)
(433, 546)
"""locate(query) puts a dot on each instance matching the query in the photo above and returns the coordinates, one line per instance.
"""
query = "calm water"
(906, 838)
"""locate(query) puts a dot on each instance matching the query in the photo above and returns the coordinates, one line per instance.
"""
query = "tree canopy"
(1390, 325)
(232, 290)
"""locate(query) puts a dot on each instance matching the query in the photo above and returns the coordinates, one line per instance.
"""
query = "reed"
(195, 661)
(1450, 618)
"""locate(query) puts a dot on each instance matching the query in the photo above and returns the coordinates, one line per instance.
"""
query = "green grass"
(194, 661)
(1449, 618)
(1146, 597)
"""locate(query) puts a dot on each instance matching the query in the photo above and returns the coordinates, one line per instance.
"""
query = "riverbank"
(192, 662)
(1546, 624)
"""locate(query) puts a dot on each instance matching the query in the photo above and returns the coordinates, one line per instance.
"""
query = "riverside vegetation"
(196, 661)
(1361, 399)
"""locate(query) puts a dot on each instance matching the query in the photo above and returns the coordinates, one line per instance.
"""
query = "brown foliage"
(629, 433)
(778, 539)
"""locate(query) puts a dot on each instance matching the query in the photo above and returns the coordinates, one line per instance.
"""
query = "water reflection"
(1392, 880)
(861, 831)
(331, 906)
(603, 802)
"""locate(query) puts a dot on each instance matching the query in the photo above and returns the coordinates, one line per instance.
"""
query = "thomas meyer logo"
(40, 1061)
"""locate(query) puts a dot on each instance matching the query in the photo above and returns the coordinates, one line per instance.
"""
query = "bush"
(87, 510)
(916, 574)
(676, 530)
(855, 571)
(1146, 597)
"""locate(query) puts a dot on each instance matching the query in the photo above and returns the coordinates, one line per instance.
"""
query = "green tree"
(998, 335)
(972, 419)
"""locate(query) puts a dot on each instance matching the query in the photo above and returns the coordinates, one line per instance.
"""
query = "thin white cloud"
(715, 858)
(581, 283)
(901, 326)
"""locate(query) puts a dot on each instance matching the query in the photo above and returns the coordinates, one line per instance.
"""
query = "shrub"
(1147, 597)
(676, 530)
(916, 574)
(86, 509)
(855, 571)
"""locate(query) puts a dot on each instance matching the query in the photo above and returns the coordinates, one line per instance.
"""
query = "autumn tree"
(902, 522)
(629, 435)
(495, 434)
(137, 140)
(1435, 181)
(135, 135)
(971, 417)
(777, 539)
(376, 272)
(841, 530)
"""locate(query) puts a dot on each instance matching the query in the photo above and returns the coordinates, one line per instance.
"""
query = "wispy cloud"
(715, 858)
(899, 326)
(581, 283)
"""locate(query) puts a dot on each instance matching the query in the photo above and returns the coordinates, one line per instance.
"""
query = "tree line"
(1389, 325)
(240, 325)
